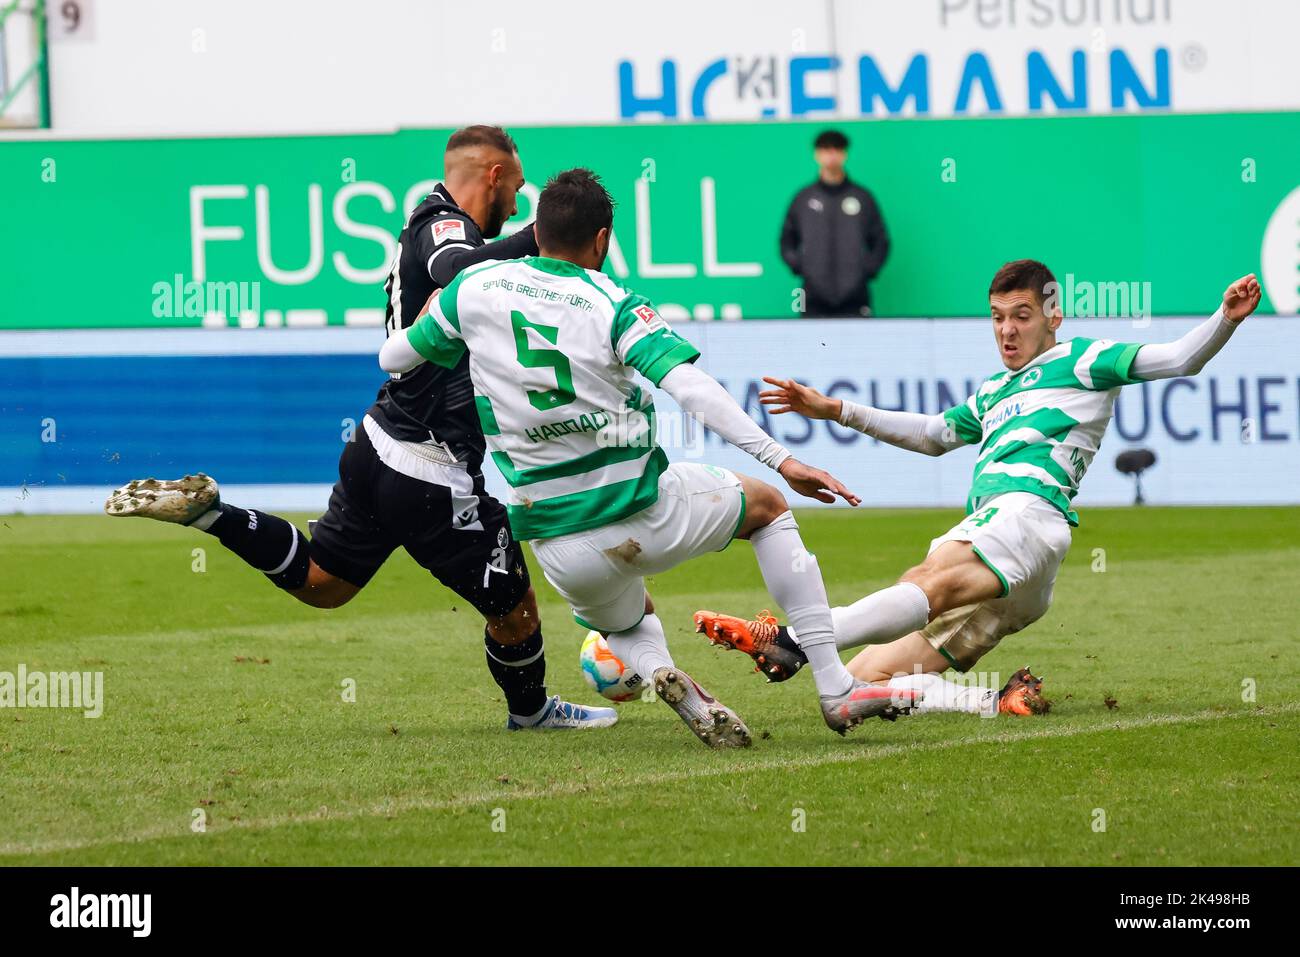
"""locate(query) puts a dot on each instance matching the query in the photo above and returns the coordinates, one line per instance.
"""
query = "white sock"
(643, 647)
(881, 617)
(206, 520)
(941, 695)
(795, 582)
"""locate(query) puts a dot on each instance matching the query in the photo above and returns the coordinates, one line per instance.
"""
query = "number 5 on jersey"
(531, 358)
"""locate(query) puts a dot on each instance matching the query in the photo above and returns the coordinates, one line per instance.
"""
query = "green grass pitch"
(223, 695)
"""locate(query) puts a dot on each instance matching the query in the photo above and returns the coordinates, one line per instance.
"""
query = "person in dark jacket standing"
(834, 236)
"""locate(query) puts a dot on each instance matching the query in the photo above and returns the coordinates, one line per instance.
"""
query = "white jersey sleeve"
(1187, 355)
(702, 396)
(641, 339)
(435, 336)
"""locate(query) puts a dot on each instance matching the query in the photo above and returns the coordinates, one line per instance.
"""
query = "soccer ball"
(605, 672)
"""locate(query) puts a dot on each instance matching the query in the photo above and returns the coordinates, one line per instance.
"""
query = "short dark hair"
(493, 136)
(831, 140)
(1024, 274)
(573, 207)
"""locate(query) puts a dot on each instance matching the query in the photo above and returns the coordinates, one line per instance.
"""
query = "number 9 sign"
(69, 20)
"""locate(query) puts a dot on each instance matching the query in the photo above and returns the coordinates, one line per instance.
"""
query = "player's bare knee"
(507, 630)
(324, 598)
(323, 590)
(526, 610)
(519, 624)
(763, 505)
(918, 575)
(929, 579)
(318, 599)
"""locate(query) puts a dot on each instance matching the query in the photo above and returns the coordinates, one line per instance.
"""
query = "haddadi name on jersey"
(587, 422)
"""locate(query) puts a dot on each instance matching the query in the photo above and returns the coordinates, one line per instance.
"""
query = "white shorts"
(1023, 539)
(600, 572)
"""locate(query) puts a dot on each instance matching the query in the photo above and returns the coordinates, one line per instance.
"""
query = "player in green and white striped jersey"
(1039, 422)
(554, 347)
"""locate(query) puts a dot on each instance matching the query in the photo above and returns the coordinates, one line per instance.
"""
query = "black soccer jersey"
(431, 403)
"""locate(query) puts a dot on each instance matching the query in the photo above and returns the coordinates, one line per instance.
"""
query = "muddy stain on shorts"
(628, 551)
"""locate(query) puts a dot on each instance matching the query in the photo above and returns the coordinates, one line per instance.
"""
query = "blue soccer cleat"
(566, 716)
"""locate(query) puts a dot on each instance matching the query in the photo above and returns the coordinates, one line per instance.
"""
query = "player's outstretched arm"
(814, 483)
(699, 394)
(1189, 354)
(397, 354)
(928, 434)
(447, 261)
(431, 338)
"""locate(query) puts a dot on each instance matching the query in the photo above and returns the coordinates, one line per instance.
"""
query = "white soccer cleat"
(562, 715)
(846, 711)
(179, 501)
(709, 719)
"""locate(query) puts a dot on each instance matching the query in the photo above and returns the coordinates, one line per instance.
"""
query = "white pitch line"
(402, 806)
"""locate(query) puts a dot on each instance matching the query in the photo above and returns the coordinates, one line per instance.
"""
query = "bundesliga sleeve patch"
(448, 229)
(651, 318)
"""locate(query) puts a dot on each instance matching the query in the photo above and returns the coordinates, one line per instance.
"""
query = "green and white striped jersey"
(552, 350)
(1041, 425)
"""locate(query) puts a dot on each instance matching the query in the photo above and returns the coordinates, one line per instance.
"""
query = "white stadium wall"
(192, 67)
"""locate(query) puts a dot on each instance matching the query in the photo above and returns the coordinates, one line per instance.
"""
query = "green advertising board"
(301, 230)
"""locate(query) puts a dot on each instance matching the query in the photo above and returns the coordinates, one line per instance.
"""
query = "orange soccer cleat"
(773, 650)
(1022, 695)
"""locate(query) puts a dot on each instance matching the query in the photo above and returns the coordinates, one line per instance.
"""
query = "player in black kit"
(413, 475)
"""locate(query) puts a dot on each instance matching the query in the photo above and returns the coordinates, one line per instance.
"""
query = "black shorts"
(456, 531)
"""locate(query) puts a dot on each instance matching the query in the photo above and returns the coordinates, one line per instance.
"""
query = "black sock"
(267, 542)
(784, 640)
(520, 671)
